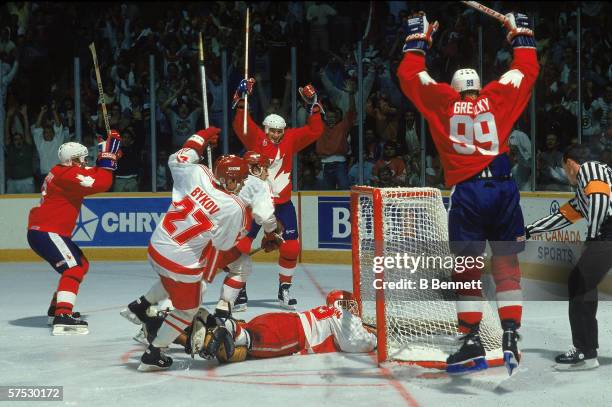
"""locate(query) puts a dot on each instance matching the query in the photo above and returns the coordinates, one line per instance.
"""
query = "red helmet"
(231, 167)
(342, 299)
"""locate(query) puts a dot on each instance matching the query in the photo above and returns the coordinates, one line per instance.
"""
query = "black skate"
(136, 311)
(240, 304)
(153, 359)
(512, 356)
(469, 358)
(69, 324)
(576, 359)
(284, 298)
(223, 310)
(51, 315)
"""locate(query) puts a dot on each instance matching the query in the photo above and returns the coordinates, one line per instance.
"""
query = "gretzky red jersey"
(469, 134)
(63, 192)
(319, 330)
(294, 140)
(201, 220)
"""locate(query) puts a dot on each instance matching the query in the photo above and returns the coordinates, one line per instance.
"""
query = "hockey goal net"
(415, 325)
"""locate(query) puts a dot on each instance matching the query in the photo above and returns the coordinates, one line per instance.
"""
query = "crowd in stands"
(39, 41)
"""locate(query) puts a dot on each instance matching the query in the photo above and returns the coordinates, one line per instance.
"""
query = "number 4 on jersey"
(199, 221)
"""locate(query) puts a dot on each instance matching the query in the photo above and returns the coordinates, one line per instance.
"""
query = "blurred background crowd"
(39, 42)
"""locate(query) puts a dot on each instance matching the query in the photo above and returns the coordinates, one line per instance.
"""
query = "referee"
(592, 202)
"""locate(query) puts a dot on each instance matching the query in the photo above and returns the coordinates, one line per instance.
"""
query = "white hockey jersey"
(257, 194)
(202, 220)
(330, 329)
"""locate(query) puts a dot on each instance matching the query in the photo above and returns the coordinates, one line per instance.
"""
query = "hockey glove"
(213, 340)
(311, 99)
(271, 241)
(244, 89)
(419, 32)
(520, 33)
(108, 151)
(203, 138)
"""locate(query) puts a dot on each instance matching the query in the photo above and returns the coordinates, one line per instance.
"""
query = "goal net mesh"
(421, 324)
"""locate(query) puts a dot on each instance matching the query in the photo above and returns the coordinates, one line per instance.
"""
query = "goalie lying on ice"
(328, 328)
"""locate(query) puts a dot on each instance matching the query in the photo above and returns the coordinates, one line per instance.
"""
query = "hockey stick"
(246, 72)
(92, 48)
(486, 10)
(204, 98)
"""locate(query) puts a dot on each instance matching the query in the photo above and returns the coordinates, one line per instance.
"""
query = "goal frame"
(378, 234)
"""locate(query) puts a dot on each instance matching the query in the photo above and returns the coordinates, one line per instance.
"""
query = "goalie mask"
(231, 172)
(465, 79)
(70, 152)
(258, 164)
(274, 126)
(343, 300)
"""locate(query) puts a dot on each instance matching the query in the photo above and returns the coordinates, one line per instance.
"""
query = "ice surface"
(99, 369)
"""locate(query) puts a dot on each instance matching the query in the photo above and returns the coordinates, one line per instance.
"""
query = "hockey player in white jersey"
(204, 218)
(334, 327)
(257, 195)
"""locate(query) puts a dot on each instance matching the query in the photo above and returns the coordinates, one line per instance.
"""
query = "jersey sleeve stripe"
(597, 186)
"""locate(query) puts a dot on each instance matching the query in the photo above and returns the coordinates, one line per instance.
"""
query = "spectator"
(368, 166)
(183, 123)
(7, 74)
(393, 162)
(551, 174)
(520, 156)
(126, 175)
(318, 15)
(164, 177)
(19, 156)
(385, 178)
(385, 117)
(332, 146)
(308, 180)
(434, 175)
(48, 137)
(409, 135)
(340, 97)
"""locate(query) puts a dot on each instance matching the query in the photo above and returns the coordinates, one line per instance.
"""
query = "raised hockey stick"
(92, 48)
(486, 10)
(204, 98)
(246, 71)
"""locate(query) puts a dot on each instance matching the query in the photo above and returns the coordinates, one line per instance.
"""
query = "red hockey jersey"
(469, 134)
(63, 192)
(281, 154)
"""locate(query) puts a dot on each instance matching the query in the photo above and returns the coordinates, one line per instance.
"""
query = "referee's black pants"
(582, 284)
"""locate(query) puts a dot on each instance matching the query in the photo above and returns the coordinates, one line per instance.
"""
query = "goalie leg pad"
(174, 324)
(240, 354)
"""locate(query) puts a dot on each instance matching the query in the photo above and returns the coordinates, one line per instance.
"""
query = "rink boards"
(118, 227)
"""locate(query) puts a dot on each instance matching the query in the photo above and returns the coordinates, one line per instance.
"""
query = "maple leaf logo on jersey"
(278, 180)
(85, 180)
(513, 77)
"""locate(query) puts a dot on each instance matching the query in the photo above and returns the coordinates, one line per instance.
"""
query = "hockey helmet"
(274, 121)
(231, 168)
(72, 151)
(465, 79)
(342, 299)
(256, 162)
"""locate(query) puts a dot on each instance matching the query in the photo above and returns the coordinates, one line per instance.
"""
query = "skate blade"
(130, 316)
(469, 366)
(239, 308)
(510, 362)
(141, 338)
(584, 365)
(143, 367)
(64, 330)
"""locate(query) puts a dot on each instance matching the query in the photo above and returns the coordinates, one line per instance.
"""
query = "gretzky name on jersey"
(203, 199)
(468, 107)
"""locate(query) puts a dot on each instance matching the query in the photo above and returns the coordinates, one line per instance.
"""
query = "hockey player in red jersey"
(204, 218)
(470, 127)
(50, 224)
(279, 144)
(333, 327)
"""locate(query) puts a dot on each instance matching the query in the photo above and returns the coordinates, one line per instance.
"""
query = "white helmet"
(72, 151)
(274, 121)
(465, 79)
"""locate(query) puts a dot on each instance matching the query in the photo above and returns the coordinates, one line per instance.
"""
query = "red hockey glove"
(419, 32)
(202, 138)
(311, 99)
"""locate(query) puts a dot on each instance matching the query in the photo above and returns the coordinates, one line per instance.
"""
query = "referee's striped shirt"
(592, 202)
